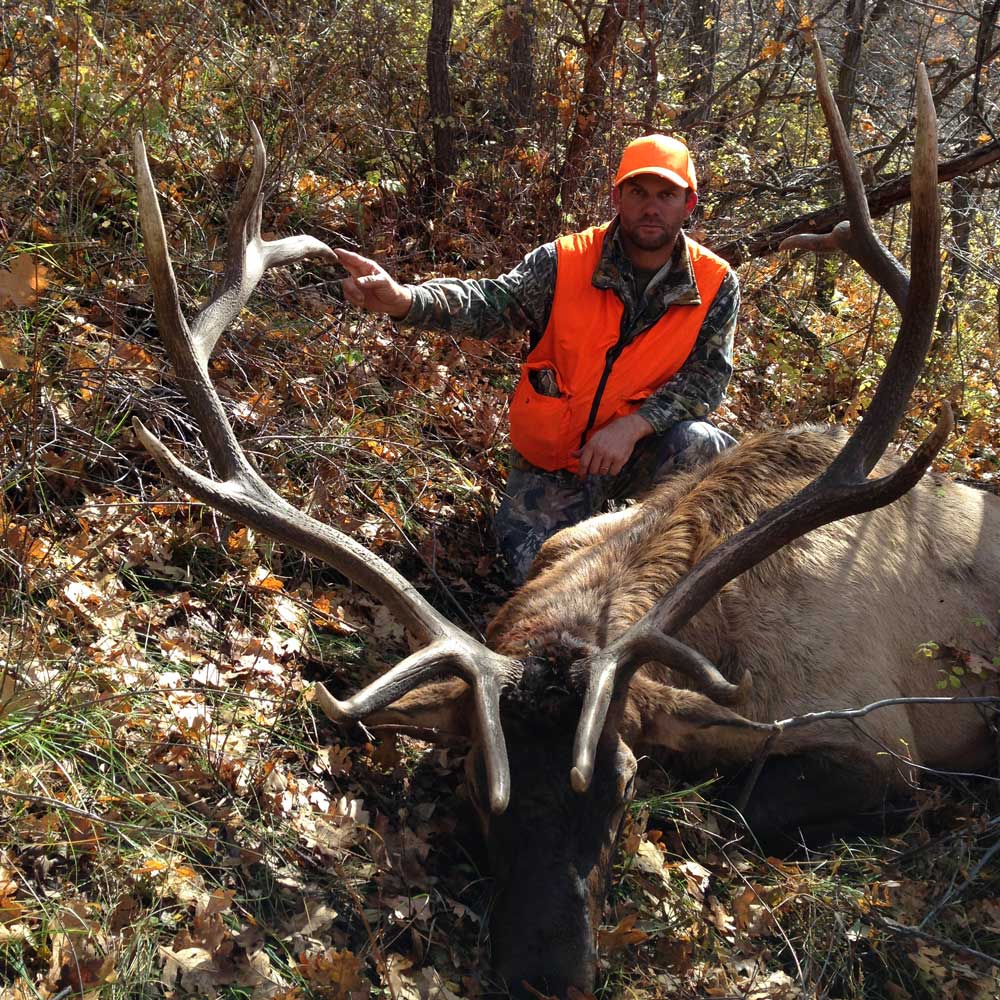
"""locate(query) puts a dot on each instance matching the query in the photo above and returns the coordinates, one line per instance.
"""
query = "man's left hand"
(611, 447)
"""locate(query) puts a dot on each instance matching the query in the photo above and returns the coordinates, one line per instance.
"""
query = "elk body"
(691, 621)
(833, 619)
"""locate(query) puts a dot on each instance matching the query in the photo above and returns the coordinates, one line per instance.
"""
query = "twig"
(850, 714)
(953, 893)
(96, 818)
(94, 549)
(404, 535)
(857, 713)
(797, 721)
(758, 766)
(904, 930)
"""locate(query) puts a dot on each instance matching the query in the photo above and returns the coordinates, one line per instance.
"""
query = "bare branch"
(881, 199)
(858, 713)
(903, 930)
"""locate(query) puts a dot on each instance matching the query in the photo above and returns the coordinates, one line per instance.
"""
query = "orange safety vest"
(598, 379)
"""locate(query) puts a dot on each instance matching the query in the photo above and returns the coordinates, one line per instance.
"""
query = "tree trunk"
(650, 57)
(438, 48)
(850, 61)
(855, 14)
(519, 24)
(600, 51)
(960, 216)
(702, 51)
(962, 207)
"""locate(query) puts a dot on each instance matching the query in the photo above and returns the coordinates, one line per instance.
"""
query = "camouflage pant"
(536, 504)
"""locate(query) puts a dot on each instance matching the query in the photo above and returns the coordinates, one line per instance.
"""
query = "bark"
(850, 60)
(962, 205)
(438, 48)
(984, 42)
(600, 51)
(702, 52)
(519, 24)
(881, 199)
(652, 70)
(960, 216)
(55, 63)
(856, 16)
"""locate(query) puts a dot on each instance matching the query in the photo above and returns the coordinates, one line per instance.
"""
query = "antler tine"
(426, 665)
(242, 494)
(843, 489)
(248, 256)
(916, 327)
(610, 669)
(857, 238)
(192, 372)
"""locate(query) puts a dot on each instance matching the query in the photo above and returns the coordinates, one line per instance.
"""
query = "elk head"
(550, 808)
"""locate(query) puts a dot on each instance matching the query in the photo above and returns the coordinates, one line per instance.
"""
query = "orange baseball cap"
(662, 155)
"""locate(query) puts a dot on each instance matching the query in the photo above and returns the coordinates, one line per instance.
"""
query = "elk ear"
(680, 719)
(439, 712)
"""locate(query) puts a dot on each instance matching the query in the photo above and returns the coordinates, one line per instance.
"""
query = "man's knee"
(695, 441)
(519, 536)
(687, 444)
(534, 507)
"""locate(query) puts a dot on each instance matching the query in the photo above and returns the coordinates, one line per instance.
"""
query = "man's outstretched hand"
(370, 286)
(611, 447)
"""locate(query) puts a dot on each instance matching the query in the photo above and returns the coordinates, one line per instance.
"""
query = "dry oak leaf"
(21, 285)
(338, 973)
(406, 983)
(753, 915)
(10, 359)
(622, 936)
(696, 877)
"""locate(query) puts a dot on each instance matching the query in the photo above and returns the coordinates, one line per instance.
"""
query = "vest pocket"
(539, 422)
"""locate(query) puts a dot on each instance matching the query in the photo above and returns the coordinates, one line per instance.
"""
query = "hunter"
(631, 327)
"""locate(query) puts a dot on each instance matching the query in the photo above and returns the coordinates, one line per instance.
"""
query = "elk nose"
(552, 975)
(552, 986)
(544, 938)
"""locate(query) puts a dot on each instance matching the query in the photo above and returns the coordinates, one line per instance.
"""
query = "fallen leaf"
(10, 359)
(624, 935)
(697, 878)
(337, 972)
(407, 983)
(209, 675)
(21, 285)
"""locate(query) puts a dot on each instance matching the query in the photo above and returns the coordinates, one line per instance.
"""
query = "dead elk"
(646, 627)
(829, 621)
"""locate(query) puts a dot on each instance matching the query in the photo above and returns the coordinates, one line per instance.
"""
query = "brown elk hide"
(832, 621)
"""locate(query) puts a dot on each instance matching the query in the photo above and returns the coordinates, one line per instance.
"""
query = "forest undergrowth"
(178, 819)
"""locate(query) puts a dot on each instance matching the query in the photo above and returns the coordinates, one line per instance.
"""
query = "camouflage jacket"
(522, 300)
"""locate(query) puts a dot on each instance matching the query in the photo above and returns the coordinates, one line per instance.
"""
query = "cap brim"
(663, 172)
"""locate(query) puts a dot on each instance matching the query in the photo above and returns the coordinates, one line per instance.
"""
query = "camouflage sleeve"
(481, 307)
(697, 389)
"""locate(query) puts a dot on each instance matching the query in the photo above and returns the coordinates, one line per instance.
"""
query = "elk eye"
(627, 770)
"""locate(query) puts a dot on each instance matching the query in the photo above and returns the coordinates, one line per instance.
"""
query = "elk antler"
(241, 493)
(843, 489)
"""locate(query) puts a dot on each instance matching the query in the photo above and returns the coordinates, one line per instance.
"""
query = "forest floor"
(179, 819)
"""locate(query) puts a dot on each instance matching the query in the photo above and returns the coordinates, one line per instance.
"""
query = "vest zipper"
(609, 359)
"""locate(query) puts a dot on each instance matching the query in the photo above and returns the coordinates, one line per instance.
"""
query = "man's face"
(651, 211)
